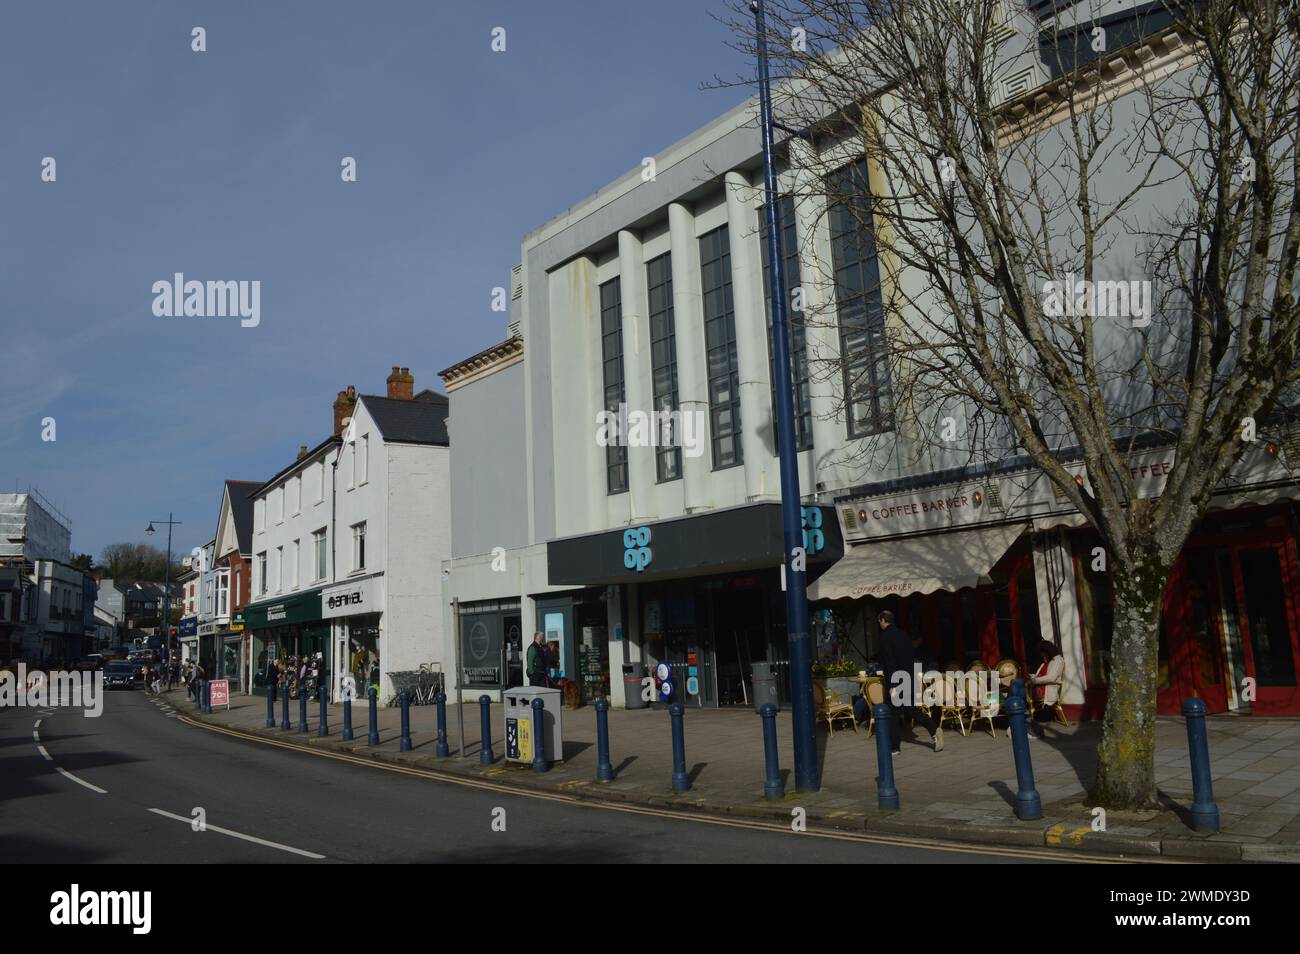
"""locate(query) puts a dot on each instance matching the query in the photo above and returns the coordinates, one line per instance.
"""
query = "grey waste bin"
(519, 723)
(764, 684)
(633, 681)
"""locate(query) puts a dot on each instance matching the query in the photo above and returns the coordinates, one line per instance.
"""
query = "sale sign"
(220, 692)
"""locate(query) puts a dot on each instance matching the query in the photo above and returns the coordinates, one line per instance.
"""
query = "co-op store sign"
(1021, 495)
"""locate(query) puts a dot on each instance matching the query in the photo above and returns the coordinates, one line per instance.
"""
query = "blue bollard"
(404, 743)
(302, 709)
(207, 696)
(773, 787)
(441, 749)
(604, 770)
(374, 717)
(347, 716)
(1029, 806)
(270, 708)
(323, 729)
(1205, 813)
(681, 781)
(539, 736)
(285, 724)
(485, 756)
(886, 791)
(198, 696)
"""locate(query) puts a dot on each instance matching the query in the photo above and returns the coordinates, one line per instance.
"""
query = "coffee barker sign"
(636, 548)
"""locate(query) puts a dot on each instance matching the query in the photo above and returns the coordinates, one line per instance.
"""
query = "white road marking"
(80, 781)
(38, 723)
(235, 834)
(40, 748)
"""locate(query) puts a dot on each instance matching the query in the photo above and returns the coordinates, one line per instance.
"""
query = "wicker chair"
(873, 690)
(949, 708)
(831, 708)
(988, 706)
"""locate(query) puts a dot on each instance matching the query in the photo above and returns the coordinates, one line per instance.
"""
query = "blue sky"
(226, 165)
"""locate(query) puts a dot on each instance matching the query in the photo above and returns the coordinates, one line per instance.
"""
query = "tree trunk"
(1126, 756)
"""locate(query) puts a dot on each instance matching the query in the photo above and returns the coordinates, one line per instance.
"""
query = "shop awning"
(922, 564)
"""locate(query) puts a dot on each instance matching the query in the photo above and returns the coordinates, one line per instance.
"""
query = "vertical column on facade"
(636, 368)
(613, 629)
(821, 330)
(1058, 609)
(692, 387)
(583, 302)
(751, 337)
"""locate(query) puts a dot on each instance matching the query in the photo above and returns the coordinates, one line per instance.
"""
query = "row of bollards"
(1028, 805)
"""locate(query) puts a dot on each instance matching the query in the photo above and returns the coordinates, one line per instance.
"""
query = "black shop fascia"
(731, 540)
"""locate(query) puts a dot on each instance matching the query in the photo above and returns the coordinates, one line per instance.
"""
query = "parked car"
(120, 674)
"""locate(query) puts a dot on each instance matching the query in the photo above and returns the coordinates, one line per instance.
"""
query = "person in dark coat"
(272, 678)
(538, 668)
(898, 659)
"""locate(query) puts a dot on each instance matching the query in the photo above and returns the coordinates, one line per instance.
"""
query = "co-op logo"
(814, 540)
(637, 553)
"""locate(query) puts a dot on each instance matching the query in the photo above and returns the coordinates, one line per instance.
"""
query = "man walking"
(898, 658)
(537, 668)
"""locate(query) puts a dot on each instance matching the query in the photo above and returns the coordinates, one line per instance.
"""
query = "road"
(123, 788)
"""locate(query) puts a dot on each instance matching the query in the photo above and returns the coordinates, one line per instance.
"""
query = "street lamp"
(794, 558)
(167, 581)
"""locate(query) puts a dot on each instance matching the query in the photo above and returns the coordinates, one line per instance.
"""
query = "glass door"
(1265, 592)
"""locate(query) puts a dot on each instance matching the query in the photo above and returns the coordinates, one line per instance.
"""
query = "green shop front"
(291, 626)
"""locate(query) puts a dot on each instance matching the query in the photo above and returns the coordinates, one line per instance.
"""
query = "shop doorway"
(1230, 630)
(739, 627)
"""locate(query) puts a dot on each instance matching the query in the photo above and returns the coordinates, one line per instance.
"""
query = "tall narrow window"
(611, 342)
(261, 575)
(223, 594)
(319, 553)
(363, 458)
(663, 362)
(293, 565)
(358, 546)
(798, 343)
(279, 569)
(720, 347)
(863, 348)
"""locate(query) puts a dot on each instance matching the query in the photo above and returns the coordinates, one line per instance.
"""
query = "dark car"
(120, 674)
(92, 663)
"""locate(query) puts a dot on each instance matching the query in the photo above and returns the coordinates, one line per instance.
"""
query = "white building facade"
(347, 543)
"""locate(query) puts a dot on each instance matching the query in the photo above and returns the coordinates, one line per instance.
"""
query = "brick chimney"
(302, 451)
(401, 385)
(343, 405)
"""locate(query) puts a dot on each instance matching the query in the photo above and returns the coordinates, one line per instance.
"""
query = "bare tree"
(1165, 153)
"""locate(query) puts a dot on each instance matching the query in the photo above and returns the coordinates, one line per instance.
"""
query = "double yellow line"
(699, 818)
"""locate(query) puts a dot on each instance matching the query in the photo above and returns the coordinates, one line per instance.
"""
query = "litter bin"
(633, 680)
(764, 684)
(519, 723)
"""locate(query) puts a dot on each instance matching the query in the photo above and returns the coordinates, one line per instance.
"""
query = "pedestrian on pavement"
(272, 677)
(898, 659)
(537, 659)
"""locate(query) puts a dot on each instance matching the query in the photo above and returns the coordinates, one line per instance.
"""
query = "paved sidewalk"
(965, 793)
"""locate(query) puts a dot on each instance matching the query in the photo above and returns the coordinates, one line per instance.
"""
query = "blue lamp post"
(796, 592)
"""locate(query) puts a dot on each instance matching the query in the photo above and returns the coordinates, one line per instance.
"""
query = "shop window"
(798, 345)
(1096, 613)
(663, 357)
(611, 342)
(1031, 633)
(723, 365)
(1270, 638)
